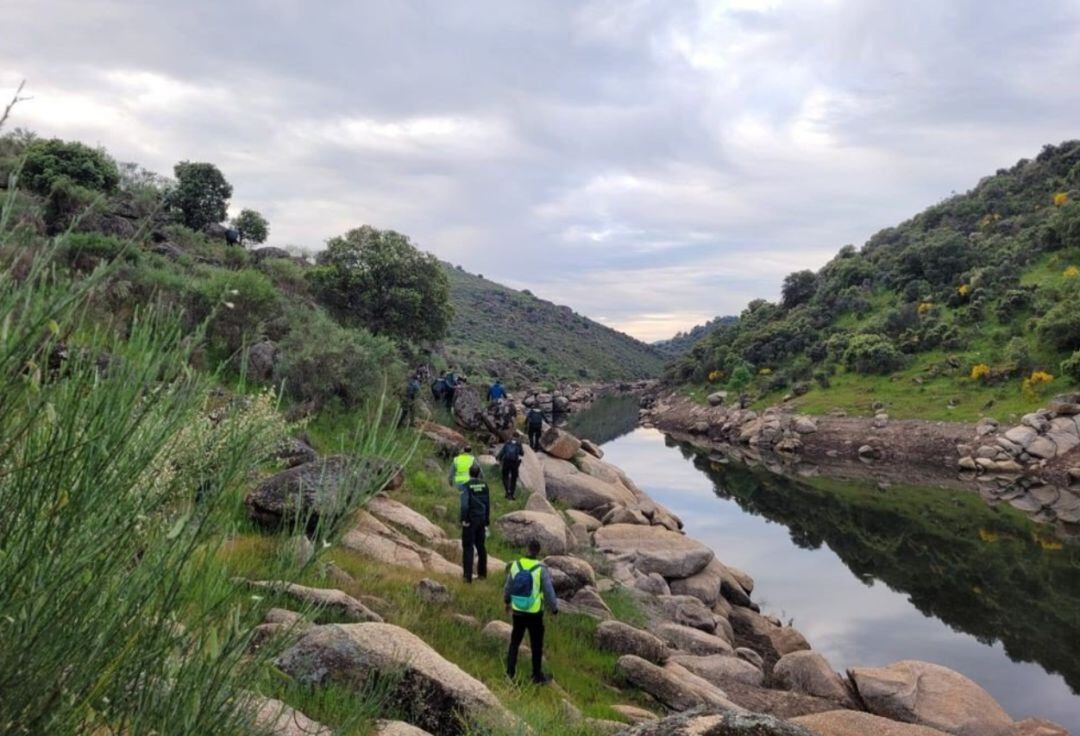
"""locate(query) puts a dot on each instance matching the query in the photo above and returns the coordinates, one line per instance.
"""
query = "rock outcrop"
(518, 527)
(334, 602)
(855, 723)
(621, 638)
(655, 549)
(436, 694)
(717, 722)
(810, 673)
(930, 695)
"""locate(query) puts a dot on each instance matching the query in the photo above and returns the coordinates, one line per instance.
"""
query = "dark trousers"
(510, 478)
(534, 437)
(472, 537)
(534, 624)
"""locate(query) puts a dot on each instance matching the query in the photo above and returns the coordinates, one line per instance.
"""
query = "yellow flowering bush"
(1060, 198)
(980, 371)
(1032, 385)
(765, 372)
(963, 289)
(1071, 272)
(715, 376)
(924, 308)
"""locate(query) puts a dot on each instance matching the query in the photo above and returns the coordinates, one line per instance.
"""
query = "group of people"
(528, 588)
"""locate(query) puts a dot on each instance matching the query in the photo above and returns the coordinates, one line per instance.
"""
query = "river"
(870, 576)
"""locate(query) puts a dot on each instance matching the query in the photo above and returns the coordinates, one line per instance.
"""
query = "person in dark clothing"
(527, 590)
(496, 391)
(534, 422)
(450, 381)
(475, 518)
(509, 457)
(412, 391)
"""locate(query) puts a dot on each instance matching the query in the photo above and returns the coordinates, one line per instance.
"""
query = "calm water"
(872, 577)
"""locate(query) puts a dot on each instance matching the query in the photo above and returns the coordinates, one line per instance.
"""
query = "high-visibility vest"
(533, 602)
(462, 464)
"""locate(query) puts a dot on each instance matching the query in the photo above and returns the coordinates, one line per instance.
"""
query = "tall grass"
(118, 485)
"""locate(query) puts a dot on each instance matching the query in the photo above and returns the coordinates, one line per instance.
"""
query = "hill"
(679, 345)
(499, 331)
(970, 307)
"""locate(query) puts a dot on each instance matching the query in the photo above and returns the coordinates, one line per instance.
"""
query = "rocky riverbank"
(1033, 466)
(707, 658)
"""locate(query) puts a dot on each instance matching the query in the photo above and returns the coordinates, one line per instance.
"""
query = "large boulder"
(537, 502)
(587, 601)
(621, 638)
(720, 669)
(930, 695)
(292, 451)
(304, 495)
(717, 722)
(686, 610)
(531, 473)
(578, 490)
(448, 442)
(518, 527)
(857, 723)
(569, 574)
(1036, 727)
(559, 443)
(262, 358)
(335, 602)
(655, 549)
(275, 718)
(810, 673)
(591, 523)
(397, 728)
(398, 514)
(672, 685)
(693, 641)
(714, 580)
(374, 540)
(765, 637)
(435, 694)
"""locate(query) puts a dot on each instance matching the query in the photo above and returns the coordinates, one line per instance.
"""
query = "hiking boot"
(541, 680)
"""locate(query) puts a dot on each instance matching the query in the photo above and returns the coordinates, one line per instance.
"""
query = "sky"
(651, 164)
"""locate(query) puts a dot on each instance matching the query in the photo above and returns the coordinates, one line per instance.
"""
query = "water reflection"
(872, 577)
(608, 418)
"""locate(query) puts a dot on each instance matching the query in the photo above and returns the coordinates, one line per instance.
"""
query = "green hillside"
(970, 307)
(680, 345)
(498, 331)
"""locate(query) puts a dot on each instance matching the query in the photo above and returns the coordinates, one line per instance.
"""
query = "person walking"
(412, 392)
(475, 519)
(527, 590)
(450, 380)
(461, 468)
(509, 458)
(534, 422)
(496, 391)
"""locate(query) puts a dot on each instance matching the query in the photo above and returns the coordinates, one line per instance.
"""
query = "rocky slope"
(704, 655)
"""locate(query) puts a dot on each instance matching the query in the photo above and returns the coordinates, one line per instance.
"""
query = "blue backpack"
(524, 593)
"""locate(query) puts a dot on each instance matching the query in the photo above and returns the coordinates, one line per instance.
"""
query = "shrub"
(253, 226)
(870, 353)
(65, 203)
(1032, 385)
(322, 360)
(49, 162)
(798, 288)
(740, 379)
(1060, 326)
(378, 280)
(1071, 367)
(980, 372)
(236, 304)
(201, 194)
(83, 251)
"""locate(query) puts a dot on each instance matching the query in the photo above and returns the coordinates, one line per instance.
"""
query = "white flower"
(256, 597)
(230, 305)
(234, 292)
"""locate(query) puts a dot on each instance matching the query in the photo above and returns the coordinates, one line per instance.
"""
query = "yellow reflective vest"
(462, 464)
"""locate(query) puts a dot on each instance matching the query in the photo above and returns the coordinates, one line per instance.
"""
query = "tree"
(201, 194)
(798, 288)
(377, 279)
(872, 353)
(252, 226)
(52, 160)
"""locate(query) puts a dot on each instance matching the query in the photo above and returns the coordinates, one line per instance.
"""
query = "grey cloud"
(649, 163)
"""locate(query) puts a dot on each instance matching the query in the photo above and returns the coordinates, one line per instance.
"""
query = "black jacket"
(476, 503)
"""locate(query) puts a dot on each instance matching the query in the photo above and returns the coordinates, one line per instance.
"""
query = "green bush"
(49, 162)
(321, 360)
(872, 354)
(237, 303)
(83, 251)
(66, 202)
(378, 280)
(252, 225)
(1060, 327)
(1070, 367)
(201, 194)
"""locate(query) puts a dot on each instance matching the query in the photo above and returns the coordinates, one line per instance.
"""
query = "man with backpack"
(534, 422)
(461, 468)
(496, 391)
(475, 518)
(509, 458)
(527, 590)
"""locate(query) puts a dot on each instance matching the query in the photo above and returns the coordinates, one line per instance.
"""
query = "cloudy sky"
(651, 164)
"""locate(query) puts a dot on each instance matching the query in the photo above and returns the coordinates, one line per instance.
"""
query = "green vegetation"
(498, 331)
(201, 194)
(680, 345)
(378, 279)
(988, 278)
(48, 162)
(252, 226)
